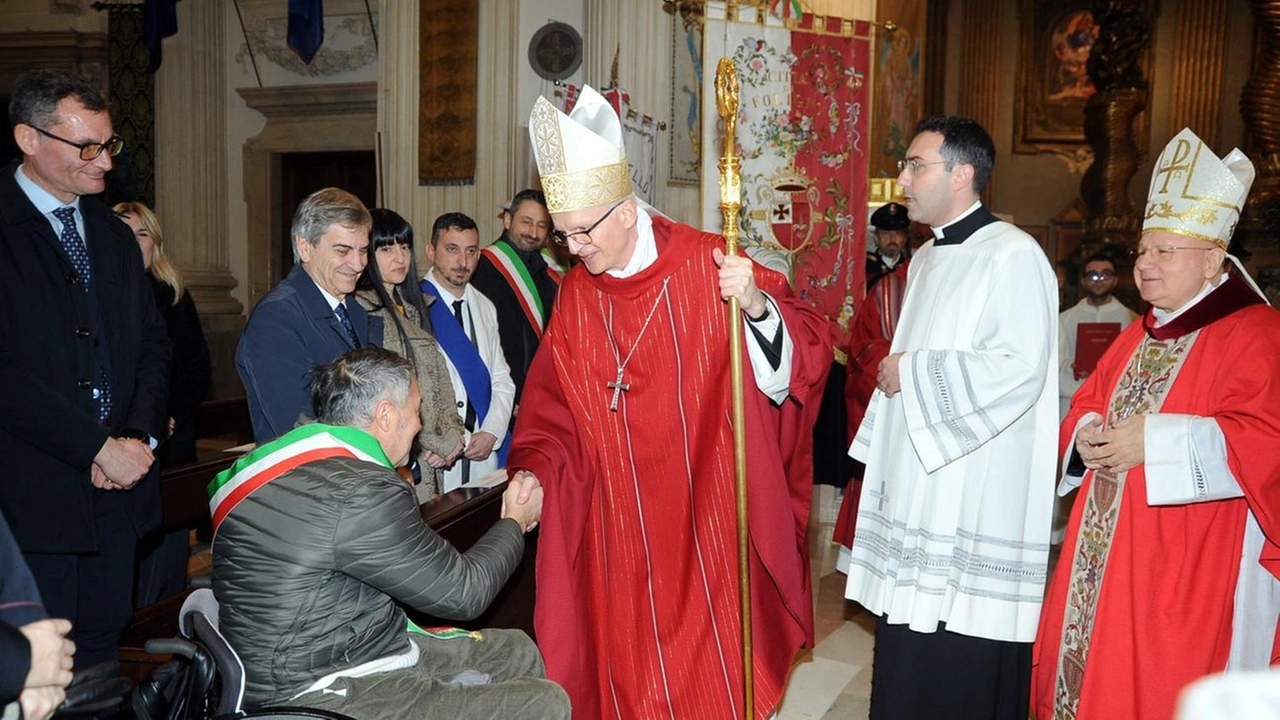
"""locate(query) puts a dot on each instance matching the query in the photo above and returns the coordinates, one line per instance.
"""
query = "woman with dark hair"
(388, 289)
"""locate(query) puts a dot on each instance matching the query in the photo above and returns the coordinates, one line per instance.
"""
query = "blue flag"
(306, 27)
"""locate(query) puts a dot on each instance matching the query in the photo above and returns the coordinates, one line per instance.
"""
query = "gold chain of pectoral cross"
(617, 386)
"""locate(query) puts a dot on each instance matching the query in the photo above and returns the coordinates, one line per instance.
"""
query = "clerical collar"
(969, 222)
(646, 250)
(1211, 304)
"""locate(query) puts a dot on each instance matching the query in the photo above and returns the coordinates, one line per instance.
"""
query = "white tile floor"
(834, 679)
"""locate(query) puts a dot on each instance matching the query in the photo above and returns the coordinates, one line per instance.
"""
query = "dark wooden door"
(303, 173)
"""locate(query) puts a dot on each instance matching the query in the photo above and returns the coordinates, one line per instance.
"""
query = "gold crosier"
(730, 203)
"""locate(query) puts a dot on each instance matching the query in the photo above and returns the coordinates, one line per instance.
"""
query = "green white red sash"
(302, 445)
(555, 270)
(505, 259)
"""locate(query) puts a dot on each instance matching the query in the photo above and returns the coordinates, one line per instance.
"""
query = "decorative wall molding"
(349, 45)
(84, 54)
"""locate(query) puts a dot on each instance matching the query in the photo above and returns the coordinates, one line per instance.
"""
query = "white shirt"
(481, 318)
(46, 203)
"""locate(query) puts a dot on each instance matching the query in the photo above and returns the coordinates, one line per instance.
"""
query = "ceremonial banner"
(802, 136)
(686, 101)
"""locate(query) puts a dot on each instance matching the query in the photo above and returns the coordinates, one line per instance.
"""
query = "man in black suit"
(306, 319)
(84, 365)
(514, 275)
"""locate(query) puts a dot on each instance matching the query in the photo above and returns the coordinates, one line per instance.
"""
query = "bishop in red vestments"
(626, 422)
(1170, 567)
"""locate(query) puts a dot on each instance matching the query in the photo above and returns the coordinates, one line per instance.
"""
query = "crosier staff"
(730, 202)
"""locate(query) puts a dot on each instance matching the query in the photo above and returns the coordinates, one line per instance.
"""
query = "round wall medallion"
(555, 52)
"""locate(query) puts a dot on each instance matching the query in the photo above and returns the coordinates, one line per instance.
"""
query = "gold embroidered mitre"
(580, 155)
(1196, 195)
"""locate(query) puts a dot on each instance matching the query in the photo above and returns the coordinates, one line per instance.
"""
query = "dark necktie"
(75, 248)
(469, 419)
(73, 244)
(340, 311)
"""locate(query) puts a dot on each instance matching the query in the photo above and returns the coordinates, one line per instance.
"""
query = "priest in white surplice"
(952, 536)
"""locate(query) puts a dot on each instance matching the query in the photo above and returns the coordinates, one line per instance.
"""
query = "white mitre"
(1196, 195)
(580, 155)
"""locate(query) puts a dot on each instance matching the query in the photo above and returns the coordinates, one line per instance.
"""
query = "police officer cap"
(890, 216)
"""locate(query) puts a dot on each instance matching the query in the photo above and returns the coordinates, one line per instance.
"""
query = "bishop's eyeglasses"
(1160, 253)
(89, 151)
(582, 236)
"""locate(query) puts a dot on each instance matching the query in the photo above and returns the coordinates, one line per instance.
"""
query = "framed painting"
(1055, 38)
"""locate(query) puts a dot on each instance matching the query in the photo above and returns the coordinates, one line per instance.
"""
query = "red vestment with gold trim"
(1163, 614)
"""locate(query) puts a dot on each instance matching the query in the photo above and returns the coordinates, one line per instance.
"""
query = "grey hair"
(347, 390)
(36, 96)
(324, 208)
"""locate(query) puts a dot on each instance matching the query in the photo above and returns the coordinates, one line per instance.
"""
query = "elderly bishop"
(625, 420)
(1171, 558)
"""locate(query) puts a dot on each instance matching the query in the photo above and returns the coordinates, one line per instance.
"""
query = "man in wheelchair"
(316, 540)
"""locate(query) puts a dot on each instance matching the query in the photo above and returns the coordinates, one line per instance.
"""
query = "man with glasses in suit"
(84, 365)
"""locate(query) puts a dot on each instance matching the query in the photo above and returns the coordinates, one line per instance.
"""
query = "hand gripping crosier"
(730, 203)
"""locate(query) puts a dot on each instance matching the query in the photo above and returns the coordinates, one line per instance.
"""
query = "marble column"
(191, 172)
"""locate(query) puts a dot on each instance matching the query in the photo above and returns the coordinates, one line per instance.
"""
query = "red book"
(1093, 339)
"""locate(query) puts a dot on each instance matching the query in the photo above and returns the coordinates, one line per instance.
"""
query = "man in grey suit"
(306, 319)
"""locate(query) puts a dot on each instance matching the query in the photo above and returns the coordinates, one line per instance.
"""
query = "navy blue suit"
(19, 604)
(290, 330)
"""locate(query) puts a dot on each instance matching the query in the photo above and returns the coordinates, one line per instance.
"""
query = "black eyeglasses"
(89, 151)
(562, 238)
(1099, 275)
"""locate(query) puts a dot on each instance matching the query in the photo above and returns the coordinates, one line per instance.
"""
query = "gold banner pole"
(730, 203)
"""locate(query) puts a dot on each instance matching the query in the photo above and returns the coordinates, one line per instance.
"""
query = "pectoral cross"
(618, 387)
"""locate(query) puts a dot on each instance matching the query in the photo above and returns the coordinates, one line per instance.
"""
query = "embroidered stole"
(1142, 388)
(513, 270)
(302, 445)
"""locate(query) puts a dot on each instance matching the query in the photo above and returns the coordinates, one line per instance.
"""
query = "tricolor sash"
(555, 270)
(302, 445)
(513, 270)
(462, 353)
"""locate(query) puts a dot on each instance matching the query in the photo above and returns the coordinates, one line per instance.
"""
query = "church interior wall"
(1031, 188)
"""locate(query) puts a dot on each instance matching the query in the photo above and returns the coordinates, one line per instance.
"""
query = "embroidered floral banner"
(802, 136)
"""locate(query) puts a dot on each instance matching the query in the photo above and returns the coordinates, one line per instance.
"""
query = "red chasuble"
(1163, 615)
(637, 610)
